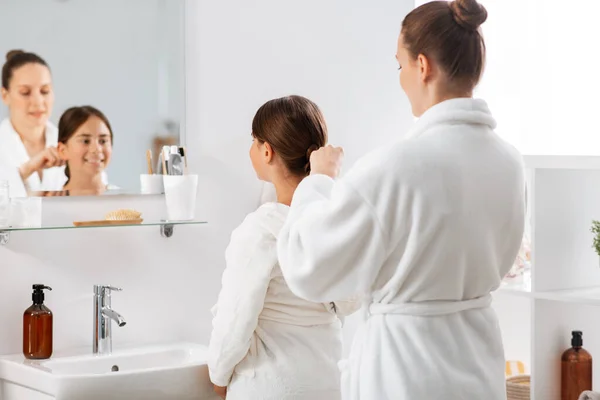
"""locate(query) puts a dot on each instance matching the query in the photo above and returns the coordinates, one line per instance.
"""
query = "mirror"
(124, 58)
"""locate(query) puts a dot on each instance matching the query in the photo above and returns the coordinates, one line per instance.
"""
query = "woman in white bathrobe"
(267, 343)
(28, 156)
(425, 228)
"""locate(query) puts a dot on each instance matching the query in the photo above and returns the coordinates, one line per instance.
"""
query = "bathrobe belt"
(430, 308)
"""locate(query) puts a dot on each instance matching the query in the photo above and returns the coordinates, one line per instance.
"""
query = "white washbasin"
(166, 372)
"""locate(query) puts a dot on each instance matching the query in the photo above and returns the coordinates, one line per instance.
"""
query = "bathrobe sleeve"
(333, 245)
(250, 258)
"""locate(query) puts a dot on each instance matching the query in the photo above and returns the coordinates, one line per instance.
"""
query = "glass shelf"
(71, 226)
(166, 227)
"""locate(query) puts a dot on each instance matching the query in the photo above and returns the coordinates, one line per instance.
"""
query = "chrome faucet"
(103, 317)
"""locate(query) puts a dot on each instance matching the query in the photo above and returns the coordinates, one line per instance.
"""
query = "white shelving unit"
(564, 292)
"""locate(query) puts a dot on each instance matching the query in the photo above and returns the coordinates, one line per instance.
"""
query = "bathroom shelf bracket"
(166, 230)
(4, 236)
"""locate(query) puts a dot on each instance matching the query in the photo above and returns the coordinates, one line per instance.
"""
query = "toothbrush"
(163, 155)
(183, 155)
(149, 161)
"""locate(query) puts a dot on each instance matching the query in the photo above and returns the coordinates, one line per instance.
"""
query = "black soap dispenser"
(37, 327)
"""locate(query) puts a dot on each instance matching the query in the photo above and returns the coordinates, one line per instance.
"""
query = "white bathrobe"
(426, 228)
(268, 344)
(13, 154)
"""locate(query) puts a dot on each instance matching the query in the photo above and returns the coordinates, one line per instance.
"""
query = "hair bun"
(13, 53)
(468, 13)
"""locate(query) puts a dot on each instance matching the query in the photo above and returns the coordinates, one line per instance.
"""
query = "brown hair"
(72, 119)
(15, 59)
(448, 33)
(294, 127)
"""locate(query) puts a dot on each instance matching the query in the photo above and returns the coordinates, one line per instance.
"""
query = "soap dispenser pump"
(37, 327)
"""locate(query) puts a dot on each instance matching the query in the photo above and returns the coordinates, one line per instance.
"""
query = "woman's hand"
(327, 161)
(47, 158)
(221, 391)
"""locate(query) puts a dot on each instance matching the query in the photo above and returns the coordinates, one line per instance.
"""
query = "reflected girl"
(85, 143)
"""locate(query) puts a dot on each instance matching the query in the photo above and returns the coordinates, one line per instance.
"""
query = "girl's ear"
(267, 153)
(62, 151)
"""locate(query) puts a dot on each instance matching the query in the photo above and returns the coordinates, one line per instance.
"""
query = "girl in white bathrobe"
(267, 343)
(425, 228)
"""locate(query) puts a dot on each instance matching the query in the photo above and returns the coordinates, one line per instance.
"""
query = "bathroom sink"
(176, 372)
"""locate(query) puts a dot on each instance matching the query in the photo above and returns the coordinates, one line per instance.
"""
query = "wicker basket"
(518, 387)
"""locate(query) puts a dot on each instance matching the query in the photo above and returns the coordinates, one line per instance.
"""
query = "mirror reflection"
(92, 91)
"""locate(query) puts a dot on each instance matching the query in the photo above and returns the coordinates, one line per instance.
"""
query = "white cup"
(180, 196)
(151, 184)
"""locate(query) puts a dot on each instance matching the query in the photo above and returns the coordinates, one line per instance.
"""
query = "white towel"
(589, 395)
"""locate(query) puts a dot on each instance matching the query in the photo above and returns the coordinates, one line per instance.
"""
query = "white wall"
(338, 53)
(540, 79)
(542, 64)
(123, 57)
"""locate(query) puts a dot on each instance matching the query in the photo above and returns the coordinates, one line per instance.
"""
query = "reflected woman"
(28, 154)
